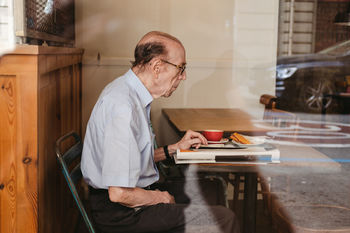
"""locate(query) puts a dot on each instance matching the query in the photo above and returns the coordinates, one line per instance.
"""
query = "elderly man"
(118, 159)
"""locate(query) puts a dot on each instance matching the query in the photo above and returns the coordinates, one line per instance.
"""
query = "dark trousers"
(183, 216)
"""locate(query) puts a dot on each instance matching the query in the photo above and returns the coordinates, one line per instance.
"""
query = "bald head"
(153, 44)
(156, 36)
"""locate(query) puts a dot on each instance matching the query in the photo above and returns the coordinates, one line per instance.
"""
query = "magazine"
(248, 155)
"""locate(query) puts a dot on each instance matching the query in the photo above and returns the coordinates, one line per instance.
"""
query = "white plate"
(255, 140)
(222, 141)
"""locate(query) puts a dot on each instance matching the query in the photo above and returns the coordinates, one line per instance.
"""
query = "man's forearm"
(133, 197)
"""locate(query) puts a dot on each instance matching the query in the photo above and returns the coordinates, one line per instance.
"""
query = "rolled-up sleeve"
(122, 159)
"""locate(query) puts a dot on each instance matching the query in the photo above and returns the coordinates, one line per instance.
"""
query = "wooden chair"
(278, 118)
(73, 175)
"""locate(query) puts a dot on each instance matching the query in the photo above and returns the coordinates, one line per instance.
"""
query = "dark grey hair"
(144, 53)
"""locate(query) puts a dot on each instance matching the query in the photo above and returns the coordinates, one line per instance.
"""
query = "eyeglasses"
(181, 68)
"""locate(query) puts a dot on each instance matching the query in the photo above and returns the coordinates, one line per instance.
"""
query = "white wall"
(7, 36)
(229, 45)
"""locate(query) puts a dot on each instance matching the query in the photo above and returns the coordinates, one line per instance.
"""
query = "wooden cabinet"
(40, 99)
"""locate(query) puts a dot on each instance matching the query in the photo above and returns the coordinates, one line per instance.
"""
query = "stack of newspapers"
(236, 155)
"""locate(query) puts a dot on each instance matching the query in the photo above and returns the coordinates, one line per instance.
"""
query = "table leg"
(250, 195)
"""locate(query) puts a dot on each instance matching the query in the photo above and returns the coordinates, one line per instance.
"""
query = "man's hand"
(163, 197)
(191, 139)
(134, 197)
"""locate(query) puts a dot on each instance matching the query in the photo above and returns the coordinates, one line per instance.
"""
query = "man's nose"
(183, 75)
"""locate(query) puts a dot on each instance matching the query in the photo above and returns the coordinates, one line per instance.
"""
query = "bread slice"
(240, 138)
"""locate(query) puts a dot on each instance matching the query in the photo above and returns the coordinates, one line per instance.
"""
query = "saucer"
(255, 141)
(222, 141)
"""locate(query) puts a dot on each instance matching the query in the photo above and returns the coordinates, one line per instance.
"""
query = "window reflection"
(313, 63)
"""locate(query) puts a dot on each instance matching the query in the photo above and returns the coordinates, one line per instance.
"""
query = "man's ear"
(155, 66)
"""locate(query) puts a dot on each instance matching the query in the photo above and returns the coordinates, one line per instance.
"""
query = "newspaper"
(248, 155)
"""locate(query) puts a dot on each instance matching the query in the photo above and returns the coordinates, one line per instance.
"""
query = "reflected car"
(303, 81)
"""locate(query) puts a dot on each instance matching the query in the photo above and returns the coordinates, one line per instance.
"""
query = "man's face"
(171, 76)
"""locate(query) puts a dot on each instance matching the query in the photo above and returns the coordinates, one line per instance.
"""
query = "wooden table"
(236, 120)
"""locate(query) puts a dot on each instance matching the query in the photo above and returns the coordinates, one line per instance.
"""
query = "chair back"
(73, 175)
(278, 118)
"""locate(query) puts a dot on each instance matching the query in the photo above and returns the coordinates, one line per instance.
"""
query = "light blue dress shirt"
(118, 145)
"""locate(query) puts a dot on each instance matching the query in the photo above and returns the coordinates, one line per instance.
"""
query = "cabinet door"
(8, 131)
(18, 145)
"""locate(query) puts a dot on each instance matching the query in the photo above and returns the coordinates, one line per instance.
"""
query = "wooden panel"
(8, 135)
(27, 154)
(42, 50)
(70, 99)
(59, 108)
(65, 91)
(11, 64)
(48, 172)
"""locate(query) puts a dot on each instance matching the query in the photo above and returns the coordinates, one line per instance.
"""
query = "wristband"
(166, 152)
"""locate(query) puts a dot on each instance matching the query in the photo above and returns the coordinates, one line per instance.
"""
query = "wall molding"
(125, 61)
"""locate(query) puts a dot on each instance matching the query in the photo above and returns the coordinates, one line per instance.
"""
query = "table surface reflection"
(308, 176)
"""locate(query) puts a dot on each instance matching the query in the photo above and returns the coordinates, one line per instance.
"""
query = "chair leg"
(236, 184)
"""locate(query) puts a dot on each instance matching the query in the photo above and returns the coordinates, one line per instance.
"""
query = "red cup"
(213, 134)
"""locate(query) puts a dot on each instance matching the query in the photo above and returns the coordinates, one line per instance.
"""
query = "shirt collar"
(144, 95)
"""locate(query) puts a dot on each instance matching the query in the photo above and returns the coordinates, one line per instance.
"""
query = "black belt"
(97, 191)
